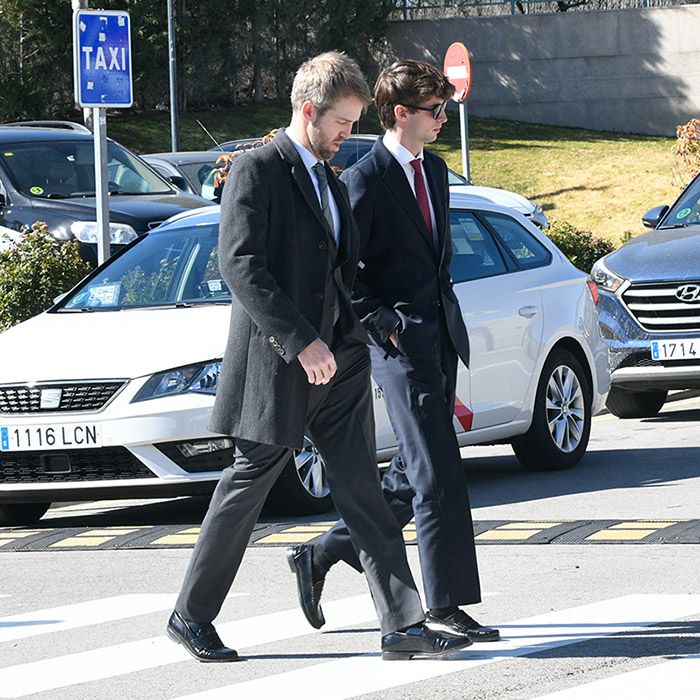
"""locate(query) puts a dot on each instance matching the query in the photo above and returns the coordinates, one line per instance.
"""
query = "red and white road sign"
(458, 69)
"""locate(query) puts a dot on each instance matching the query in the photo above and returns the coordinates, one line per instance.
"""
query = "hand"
(394, 338)
(318, 362)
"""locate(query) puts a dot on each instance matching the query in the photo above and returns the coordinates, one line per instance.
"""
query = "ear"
(308, 111)
(400, 113)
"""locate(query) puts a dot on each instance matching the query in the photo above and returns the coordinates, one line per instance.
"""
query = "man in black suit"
(403, 295)
(297, 361)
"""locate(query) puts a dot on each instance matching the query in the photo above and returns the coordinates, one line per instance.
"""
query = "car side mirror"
(179, 182)
(654, 215)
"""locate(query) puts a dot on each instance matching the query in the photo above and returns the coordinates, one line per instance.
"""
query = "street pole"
(173, 78)
(99, 125)
(464, 134)
(87, 112)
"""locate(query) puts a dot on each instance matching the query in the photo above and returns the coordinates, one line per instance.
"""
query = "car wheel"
(561, 421)
(302, 488)
(635, 404)
(21, 513)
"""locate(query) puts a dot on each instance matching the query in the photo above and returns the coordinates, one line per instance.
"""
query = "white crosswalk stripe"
(355, 675)
(678, 678)
(91, 612)
(119, 659)
(348, 678)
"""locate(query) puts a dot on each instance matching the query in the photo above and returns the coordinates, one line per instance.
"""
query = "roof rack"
(52, 124)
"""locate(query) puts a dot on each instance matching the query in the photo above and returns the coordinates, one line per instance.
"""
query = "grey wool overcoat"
(277, 256)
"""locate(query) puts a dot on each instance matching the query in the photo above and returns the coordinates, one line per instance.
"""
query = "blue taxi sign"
(102, 58)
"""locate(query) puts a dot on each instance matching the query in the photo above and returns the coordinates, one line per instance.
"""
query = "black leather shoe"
(459, 623)
(200, 639)
(419, 640)
(300, 562)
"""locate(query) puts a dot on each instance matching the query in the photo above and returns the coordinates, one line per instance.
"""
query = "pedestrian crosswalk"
(320, 676)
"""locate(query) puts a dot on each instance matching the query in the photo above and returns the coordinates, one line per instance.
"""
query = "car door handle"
(527, 311)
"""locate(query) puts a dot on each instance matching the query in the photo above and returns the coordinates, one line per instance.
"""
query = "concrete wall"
(634, 71)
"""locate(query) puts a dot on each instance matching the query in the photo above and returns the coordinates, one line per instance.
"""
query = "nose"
(443, 117)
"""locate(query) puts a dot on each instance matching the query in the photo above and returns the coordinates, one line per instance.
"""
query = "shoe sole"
(438, 627)
(407, 655)
(177, 640)
(293, 569)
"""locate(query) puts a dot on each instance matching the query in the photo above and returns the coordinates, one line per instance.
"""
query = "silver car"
(650, 308)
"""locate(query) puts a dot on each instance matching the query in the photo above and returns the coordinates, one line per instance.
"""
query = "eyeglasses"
(436, 110)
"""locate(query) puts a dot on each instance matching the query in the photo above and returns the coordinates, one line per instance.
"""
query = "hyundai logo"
(689, 293)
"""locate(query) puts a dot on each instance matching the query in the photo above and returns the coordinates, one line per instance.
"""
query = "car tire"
(302, 488)
(561, 420)
(12, 514)
(635, 404)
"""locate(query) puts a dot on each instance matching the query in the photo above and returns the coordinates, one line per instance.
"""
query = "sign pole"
(99, 122)
(464, 137)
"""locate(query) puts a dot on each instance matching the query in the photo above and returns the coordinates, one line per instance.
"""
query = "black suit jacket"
(277, 256)
(403, 283)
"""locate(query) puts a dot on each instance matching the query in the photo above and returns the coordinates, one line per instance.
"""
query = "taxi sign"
(457, 67)
(102, 58)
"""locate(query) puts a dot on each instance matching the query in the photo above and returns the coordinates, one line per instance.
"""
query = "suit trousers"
(426, 478)
(339, 420)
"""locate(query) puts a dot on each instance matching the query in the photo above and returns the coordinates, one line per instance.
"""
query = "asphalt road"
(591, 574)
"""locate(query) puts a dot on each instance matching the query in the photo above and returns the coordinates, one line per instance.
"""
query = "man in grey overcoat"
(296, 362)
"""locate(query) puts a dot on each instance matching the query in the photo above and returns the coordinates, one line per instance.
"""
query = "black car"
(47, 173)
(650, 308)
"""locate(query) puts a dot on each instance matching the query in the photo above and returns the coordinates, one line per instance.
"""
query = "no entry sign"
(458, 70)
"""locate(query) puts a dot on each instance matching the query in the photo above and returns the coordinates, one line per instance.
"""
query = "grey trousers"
(339, 420)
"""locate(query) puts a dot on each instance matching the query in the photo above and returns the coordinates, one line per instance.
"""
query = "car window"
(687, 209)
(350, 152)
(526, 249)
(173, 267)
(197, 173)
(475, 252)
(65, 169)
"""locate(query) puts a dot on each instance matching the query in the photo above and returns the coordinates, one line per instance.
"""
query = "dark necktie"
(422, 197)
(322, 177)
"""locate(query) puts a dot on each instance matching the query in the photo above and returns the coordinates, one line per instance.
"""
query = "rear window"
(475, 252)
(526, 249)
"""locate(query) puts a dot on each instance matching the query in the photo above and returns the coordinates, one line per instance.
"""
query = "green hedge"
(581, 247)
(35, 270)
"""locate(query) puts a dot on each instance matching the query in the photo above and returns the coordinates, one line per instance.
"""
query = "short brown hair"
(408, 82)
(326, 78)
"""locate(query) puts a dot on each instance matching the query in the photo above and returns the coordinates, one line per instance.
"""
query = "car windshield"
(687, 209)
(177, 267)
(66, 169)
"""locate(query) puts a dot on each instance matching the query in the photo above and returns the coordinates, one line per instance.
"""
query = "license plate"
(681, 349)
(49, 437)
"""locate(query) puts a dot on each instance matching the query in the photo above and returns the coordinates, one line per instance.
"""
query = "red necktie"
(422, 197)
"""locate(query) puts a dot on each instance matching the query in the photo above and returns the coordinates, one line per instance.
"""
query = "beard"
(322, 147)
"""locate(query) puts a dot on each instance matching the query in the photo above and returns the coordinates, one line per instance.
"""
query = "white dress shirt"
(404, 158)
(309, 160)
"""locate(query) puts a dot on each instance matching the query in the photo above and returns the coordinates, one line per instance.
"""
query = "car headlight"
(86, 232)
(605, 278)
(200, 378)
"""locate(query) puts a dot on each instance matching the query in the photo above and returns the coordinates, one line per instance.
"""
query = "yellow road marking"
(177, 538)
(620, 534)
(645, 525)
(82, 542)
(281, 537)
(307, 528)
(506, 534)
(539, 526)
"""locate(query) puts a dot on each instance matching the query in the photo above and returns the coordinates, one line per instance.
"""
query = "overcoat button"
(322, 245)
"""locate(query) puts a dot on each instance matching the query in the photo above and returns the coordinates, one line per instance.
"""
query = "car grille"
(642, 359)
(26, 398)
(658, 310)
(103, 464)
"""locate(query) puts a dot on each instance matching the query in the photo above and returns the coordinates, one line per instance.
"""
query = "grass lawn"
(599, 181)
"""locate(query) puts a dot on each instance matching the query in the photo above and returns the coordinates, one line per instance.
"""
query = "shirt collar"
(308, 158)
(401, 153)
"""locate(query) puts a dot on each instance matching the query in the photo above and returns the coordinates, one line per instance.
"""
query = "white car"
(108, 394)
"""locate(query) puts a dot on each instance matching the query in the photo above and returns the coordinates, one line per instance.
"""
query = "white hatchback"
(108, 393)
